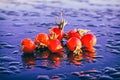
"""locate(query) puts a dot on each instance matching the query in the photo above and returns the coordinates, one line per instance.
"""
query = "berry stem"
(63, 22)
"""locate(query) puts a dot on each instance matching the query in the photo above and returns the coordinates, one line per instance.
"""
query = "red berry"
(54, 45)
(72, 33)
(88, 40)
(59, 33)
(27, 45)
(41, 39)
(73, 43)
(26, 41)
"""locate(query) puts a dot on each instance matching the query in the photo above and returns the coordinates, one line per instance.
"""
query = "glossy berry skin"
(58, 32)
(41, 38)
(73, 42)
(27, 45)
(54, 45)
(88, 40)
(26, 41)
(72, 33)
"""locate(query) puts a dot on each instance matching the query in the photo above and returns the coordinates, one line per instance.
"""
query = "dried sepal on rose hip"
(72, 33)
(58, 32)
(54, 45)
(81, 32)
(59, 29)
(76, 33)
(27, 45)
(74, 44)
(41, 40)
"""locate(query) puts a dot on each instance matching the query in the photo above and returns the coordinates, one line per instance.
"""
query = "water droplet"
(2, 69)
(14, 63)
(1, 64)
(98, 56)
(21, 67)
(44, 67)
(13, 68)
(117, 33)
(45, 24)
(116, 27)
(117, 68)
(62, 76)
(9, 46)
(6, 72)
(75, 73)
(115, 51)
(109, 45)
(105, 78)
(7, 58)
(109, 70)
(110, 40)
(3, 43)
(92, 71)
(12, 13)
(117, 43)
(55, 78)
(9, 34)
(115, 75)
(15, 52)
(91, 25)
(17, 71)
(43, 77)
(85, 77)
(1, 18)
(98, 46)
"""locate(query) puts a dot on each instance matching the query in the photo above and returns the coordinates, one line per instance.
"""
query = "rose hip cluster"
(77, 41)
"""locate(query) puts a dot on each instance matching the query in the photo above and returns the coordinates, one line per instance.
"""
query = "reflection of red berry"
(55, 57)
(73, 43)
(27, 45)
(88, 40)
(45, 54)
(90, 49)
(72, 57)
(59, 33)
(54, 45)
(89, 55)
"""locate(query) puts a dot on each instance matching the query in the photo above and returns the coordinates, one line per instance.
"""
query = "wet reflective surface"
(20, 19)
